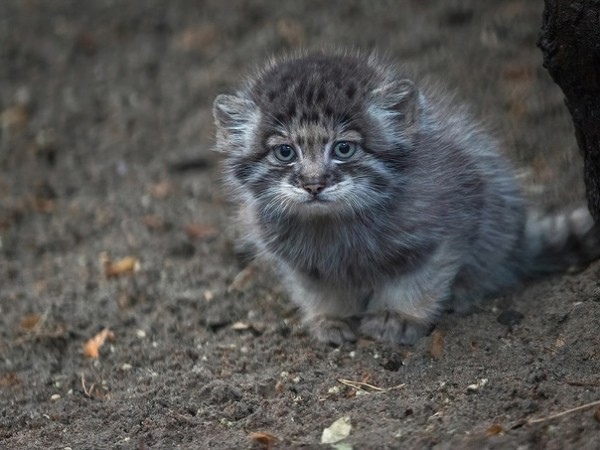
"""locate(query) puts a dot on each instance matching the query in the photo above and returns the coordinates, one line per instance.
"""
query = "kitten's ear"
(236, 118)
(400, 97)
(231, 111)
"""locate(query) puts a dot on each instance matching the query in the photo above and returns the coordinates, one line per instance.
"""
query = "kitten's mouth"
(316, 205)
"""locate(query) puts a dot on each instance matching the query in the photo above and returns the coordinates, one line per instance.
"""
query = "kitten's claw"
(393, 327)
(333, 331)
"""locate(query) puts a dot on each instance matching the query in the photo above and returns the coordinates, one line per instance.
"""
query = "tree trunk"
(570, 44)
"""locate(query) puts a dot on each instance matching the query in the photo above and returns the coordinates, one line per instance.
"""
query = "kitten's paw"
(331, 330)
(393, 327)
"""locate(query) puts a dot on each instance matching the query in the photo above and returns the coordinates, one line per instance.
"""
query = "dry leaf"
(42, 205)
(9, 379)
(199, 231)
(266, 439)
(30, 321)
(161, 190)
(91, 349)
(437, 344)
(203, 38)
(494, 430)
(292, 32)
(124, 266)
(339, 430)
(242, 279)
(154, 222)
(14, 117)
(597, 414)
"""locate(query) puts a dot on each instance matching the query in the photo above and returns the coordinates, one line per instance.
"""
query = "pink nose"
(313, 188)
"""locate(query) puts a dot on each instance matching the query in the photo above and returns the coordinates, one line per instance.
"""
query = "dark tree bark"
(570, 43)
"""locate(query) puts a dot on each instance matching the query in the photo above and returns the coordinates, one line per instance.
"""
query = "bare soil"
(105, 153)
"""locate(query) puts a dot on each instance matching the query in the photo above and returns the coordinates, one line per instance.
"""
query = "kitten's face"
(313, 170)
(315, 136)
(316, 170)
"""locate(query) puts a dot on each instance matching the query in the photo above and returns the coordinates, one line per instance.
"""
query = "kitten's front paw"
(331, 330)
(393, 327)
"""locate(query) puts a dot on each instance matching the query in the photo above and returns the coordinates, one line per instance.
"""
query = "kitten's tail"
(560, 242)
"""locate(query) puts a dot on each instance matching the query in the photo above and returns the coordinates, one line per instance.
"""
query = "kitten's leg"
(330, 313)
(405, 309)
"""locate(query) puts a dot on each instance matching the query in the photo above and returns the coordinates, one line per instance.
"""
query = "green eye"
(344, 149)
(284, 153)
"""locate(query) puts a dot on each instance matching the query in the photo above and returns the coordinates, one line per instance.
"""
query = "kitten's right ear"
(236, 118)
(231, 111)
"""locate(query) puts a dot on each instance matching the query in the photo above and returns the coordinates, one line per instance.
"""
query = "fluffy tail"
(559, 243)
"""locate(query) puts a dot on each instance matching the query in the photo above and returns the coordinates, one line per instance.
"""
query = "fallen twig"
(362, 385)
(564, 413)
(87, 391)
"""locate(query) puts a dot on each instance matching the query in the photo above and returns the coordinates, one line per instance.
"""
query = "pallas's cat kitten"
(379, 204)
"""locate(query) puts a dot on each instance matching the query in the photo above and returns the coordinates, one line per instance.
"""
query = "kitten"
(377, 202)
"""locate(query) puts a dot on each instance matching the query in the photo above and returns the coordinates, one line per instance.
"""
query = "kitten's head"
(320, 135)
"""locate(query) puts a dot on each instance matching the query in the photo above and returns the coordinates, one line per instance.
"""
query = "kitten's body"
(425, 211)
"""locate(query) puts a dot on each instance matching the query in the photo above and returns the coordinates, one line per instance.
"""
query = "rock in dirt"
(339, 430)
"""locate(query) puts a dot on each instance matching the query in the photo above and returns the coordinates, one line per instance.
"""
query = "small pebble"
(55, 397)
(477, 386)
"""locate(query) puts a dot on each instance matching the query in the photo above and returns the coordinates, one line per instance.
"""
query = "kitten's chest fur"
(357, 252)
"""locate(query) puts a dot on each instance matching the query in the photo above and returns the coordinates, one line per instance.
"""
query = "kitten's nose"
(313, 187)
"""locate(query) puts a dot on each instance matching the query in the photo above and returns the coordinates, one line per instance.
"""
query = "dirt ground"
(105, 154)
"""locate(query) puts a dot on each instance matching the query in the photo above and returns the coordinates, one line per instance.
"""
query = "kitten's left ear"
(399, 96)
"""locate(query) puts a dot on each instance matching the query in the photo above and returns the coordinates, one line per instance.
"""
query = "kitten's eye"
(344, 149)
(284, 153)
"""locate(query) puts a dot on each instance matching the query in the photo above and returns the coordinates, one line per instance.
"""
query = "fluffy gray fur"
(424, 215)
